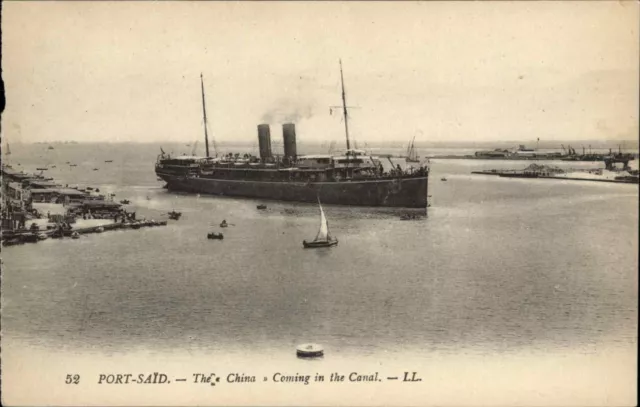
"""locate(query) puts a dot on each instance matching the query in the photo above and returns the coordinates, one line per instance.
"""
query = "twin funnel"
(289, 139)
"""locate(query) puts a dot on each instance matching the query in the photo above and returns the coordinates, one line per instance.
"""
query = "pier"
(70, 212)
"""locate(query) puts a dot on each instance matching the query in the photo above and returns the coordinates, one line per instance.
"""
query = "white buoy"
(310, 350)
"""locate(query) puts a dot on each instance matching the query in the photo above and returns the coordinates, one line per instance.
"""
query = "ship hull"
(387, 192)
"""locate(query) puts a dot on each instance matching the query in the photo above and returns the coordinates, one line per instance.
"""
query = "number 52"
(72, 379)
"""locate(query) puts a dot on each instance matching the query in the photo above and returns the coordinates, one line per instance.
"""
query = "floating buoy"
(309, 350)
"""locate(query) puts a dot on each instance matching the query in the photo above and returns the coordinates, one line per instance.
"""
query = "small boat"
(262, 206)
(50, 147)
(99, 229)
(174, 215)
(323, 238)
(42, 168)
(443, 179)
(309, 350)
(125, 202)
(148, 198)
(135, 225)
(75, 235)
(224, 224)
(108, 161)
(89, 188)
(73, 165)
(409, 216)
(214, 235)
(53, 166)
(96, 169)
(42, 236)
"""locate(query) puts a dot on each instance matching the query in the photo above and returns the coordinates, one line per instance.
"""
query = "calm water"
(499, 266)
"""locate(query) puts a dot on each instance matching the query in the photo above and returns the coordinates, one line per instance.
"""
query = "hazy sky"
(97, 71)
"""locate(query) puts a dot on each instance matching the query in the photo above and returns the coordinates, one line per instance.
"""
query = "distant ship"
(352, 178)
(8, 152)
(50, 147)
(412, 154)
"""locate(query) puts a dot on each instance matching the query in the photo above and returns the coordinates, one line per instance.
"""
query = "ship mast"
(204, 112)
(344, 108)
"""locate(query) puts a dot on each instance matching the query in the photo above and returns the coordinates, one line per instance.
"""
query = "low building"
(59, 195)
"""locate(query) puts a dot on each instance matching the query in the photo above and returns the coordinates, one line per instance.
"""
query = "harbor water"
(504, 277)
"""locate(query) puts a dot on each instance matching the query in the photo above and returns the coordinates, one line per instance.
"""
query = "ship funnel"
(289, 138)
(264, 142)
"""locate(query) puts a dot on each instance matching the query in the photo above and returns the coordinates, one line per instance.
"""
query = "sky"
(439, 71)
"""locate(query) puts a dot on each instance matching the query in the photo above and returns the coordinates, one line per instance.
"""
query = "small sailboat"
(323, 238)
(174, 215)
(8, 150)
(412, 154)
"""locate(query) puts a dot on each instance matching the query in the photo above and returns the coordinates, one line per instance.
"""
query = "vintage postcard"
(319, 203)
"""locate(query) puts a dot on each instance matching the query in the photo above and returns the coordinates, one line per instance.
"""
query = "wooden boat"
(108, 161)
(443, 179)
(174, 215)
(323, 238)
(262, 206)
(309, 350)
(96, 169)
(42, 168)
(214, 235)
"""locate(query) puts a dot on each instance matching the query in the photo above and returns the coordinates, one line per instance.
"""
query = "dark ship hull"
(406, 192)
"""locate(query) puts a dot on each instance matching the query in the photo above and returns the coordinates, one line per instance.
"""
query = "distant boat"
(174, 215)
(75, 235)
(224, 224)
(108, 161)
(214, 235)
(42, 168)
(96, 169)
(412, 154)
(262, 206)
(8, 150)
(50, 147)
(323, 238)
(443, 179)
(125, 202)
(73, 165)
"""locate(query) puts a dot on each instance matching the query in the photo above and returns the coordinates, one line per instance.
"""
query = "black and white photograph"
(319, 203)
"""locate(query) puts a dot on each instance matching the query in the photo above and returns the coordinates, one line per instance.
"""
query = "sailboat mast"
(204, 112)
(344, 108)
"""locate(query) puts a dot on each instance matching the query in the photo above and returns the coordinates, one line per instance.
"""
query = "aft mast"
(204, 112)
(344, 109)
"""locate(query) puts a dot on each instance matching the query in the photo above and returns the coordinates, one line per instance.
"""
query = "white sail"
(8, 150)
(323, 233)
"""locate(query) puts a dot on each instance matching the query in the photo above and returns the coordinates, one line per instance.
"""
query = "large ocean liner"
(352, 178)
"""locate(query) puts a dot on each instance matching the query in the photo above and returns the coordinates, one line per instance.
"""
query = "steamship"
(352, 178)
